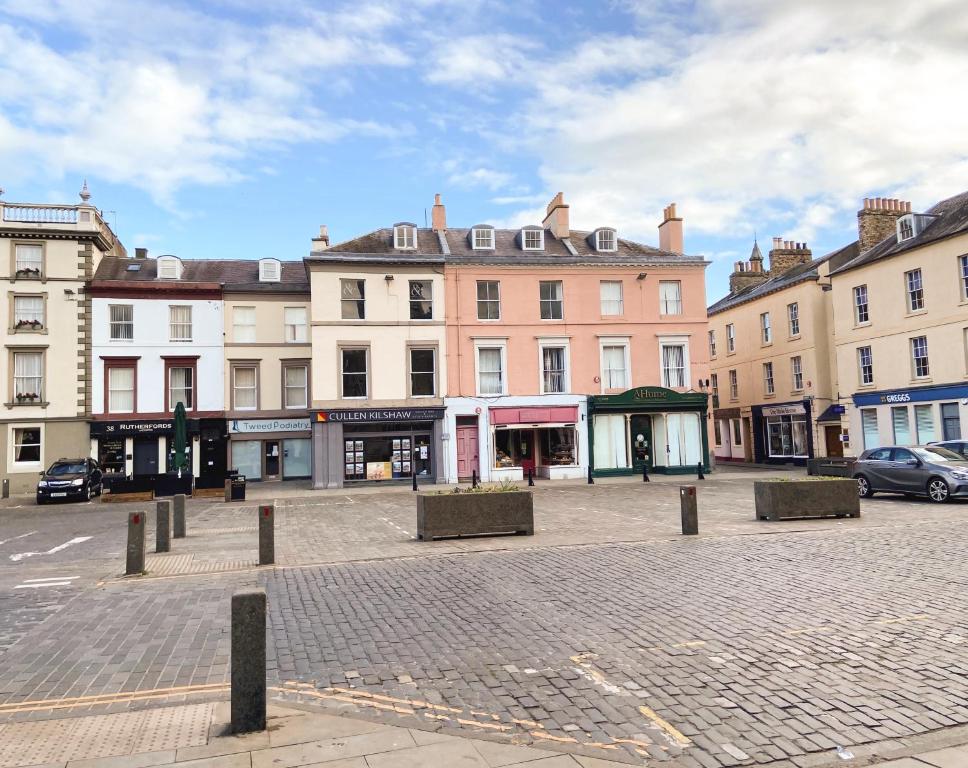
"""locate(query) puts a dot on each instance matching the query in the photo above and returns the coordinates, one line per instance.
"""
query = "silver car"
(917, 470)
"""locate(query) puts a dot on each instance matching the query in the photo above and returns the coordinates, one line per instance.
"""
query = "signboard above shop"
(784, 410)
(237, 426)
(369, 415)
(150, 427)
(919, 395)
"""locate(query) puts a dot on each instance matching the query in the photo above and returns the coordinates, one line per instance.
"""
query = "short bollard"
(178, 513)
(6, 488)
(473, 478)
(530, 477)
(163, 526)
(249, 661)
(591, 480)
(645, 473)
(699, 474)
(228, 490)
(136, 544)
(267, 534)
(690, 512)
(414, 481)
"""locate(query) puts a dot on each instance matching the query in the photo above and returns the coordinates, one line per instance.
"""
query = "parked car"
(958, 446)
(917, 470)
(70, 479)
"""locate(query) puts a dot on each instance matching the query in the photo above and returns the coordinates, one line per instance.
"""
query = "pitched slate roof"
(798, 274)
(952, 219)
(234, 274)
(377, 247)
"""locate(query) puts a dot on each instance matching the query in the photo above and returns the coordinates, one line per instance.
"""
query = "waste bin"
(237, 488)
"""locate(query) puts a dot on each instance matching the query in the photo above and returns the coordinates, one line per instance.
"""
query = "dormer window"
(482, 237)
(405, 236)
(270, 271)
(169, 268)
(532, 239)
(905, 228)
(605, 240)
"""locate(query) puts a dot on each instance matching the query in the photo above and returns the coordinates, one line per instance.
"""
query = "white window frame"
(556, 343)
(676, 341)
(712, 342)
(860, 291)
(861, 365)
(914, 294)
(793, 319)
(31, 263)
(41, 390)
(496, 343)
(733, 385)
(621, 298)
(254, 388)
(482, 238)
(766, 329)
(304, 325)
(963, 276)
(108, 371)
(172, 324)
(730, 338)
(24, 466)
(265, 276)
(249, 327)
(112, 323)
(524, 239)
(405, 237)
(285, 387)
(172, 402)
(169, 263)
(615, 341)
(605, 247)
(675, 304)
(796, 372)
(769, 380)
(914, 358)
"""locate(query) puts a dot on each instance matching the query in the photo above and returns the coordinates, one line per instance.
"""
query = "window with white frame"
(865, 365)
(733, 386)
(404, 236)
(353, 372)
(488, 300)
(615, 366)
(861, 309)
(490, 370)
(915, 290)
(26, 446)
(963, 274)
(181, 387)
(670, 297)
(551, 299)
(766, 331)
(482, 237)
(611, 298)
(121, 322)
(796, 371)
(730, 338)
(421, 300)
(294, 320)
(714, 384)
(28, 377)
(179, 323)
(605, 240)
(28, 312)
(919, 357)
(673, 365)
(296, 385)
(120, 389)
(29, 259)
(905, 228)
(553, 369)
(532, 239)
(352, 294)
(245, 387)
(768, 378)
(169, 268)
(270, 271)
(243, 325)
(712, 343)
(793, 318)
(423, 372)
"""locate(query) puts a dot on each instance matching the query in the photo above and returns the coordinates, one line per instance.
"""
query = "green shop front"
(655, 427)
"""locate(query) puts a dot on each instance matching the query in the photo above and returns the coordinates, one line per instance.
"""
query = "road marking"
(77, 540)
(14, 538)
(56, 581)
(111, 698)
(586, 670)
(678, 738)
(53, 578)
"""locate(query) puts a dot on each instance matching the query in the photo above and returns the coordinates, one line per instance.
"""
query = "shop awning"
(832, 414)
(557, 414)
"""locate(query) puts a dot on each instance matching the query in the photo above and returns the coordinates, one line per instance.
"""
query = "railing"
(40, 214)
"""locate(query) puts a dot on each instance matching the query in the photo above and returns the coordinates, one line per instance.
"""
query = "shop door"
(835, 448)
(467, 452)
(641, 429)
(272, 459)
(146, 455)
(423, 464)
(212, 453)
(950, 421)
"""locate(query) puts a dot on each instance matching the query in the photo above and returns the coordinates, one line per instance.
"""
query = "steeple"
(755, 254)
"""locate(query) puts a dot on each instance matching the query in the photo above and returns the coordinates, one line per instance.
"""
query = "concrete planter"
(470, 514)
(831, 467)
(789, 500)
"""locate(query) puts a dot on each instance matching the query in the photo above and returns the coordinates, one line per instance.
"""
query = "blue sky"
(234, 128)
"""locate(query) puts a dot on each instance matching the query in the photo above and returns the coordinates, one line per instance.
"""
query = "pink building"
(570, 349)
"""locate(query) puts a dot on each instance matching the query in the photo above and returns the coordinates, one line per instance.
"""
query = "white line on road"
(14, 538)
(46, 584)
(22, 555)
(54, 578)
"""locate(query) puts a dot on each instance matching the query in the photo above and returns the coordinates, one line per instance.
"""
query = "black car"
(70, 479)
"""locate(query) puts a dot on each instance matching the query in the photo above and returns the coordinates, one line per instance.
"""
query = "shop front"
(376, 445)
(914, 416)
(651, 427)
(270, 449)
(782, 433)
(542, 440)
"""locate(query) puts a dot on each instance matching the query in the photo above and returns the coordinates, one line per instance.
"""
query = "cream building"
(772, 359)
(901, 325)
(47, 252)
(378, 357)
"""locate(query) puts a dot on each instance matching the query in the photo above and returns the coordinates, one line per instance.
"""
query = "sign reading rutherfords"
(152, 427)
(380, 414)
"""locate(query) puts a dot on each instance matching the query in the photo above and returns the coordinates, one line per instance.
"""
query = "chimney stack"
(321, 242)
(556, 219)
(438, 215)
(787, 254)
(877, 220)
(141, 253)
(670, 230)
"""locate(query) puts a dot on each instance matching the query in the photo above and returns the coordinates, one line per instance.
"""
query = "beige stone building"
(47, 252)
(900, 311)
(772, 359)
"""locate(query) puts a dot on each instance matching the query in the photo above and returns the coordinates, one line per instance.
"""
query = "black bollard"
(178, 516)
(414, 475)
(530, 478)
(473, 478)
(248, 661)
(699, 474)
(688, 508)
(591, 480)
(645, 473)
(163, 526)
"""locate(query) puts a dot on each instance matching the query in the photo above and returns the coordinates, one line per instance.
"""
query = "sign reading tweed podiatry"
(268, 425)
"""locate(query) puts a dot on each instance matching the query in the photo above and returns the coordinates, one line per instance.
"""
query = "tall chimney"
(670, 230)
(556, 218)
(787, 254)
(438, 215)
(321, 242)
(878, 220)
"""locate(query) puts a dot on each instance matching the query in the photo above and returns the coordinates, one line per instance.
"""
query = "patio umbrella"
(181, 430)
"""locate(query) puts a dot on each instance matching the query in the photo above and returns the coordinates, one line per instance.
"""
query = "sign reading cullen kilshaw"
(268, 425)
(380, 414)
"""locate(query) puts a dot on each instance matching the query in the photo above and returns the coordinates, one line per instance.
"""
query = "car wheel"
(40, 501)
(938, 490)
(864, 489)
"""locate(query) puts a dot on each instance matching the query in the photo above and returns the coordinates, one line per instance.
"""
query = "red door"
(467, 461)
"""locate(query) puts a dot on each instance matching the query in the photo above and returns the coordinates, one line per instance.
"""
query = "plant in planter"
(783, 499)
(484, 510)
(34, 325)
(28, 272)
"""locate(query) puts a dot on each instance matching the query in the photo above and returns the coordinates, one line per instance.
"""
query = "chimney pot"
(323, 237)
(141, 253)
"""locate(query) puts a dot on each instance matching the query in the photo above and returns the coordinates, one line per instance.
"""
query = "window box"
(28, 272)
(29, 325)
(27, 397)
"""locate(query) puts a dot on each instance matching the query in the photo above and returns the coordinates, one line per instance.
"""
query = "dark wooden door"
(832, 437)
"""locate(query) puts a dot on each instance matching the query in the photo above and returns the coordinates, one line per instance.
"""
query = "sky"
(234, 128)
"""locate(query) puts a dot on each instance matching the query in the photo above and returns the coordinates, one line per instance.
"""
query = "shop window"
(353, 371)
(296, 386)
(786, 436)
(611, 298)
(615, 366)
(243, 325)
(179, 323)
(296, 455)
(352, 299)
(950, 421)
(670, 297)
(551, 299)
(294, 319)
(110, 455)
(26, 447)
(423, 376)
(488, 300)
(28, 377)
(121, 322)
(513, 448)
(28, 313)
(915, 290)
(28, 260)
(245, 387)
(490, 370)
(386, 457)
(902, 426)
(421, 300)
(683, 439)
(924, 422)
(716, 432)
(611, 441)
(553, 373)
(868, 422)
(737, 432)
(557, 446)
(247, 458)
